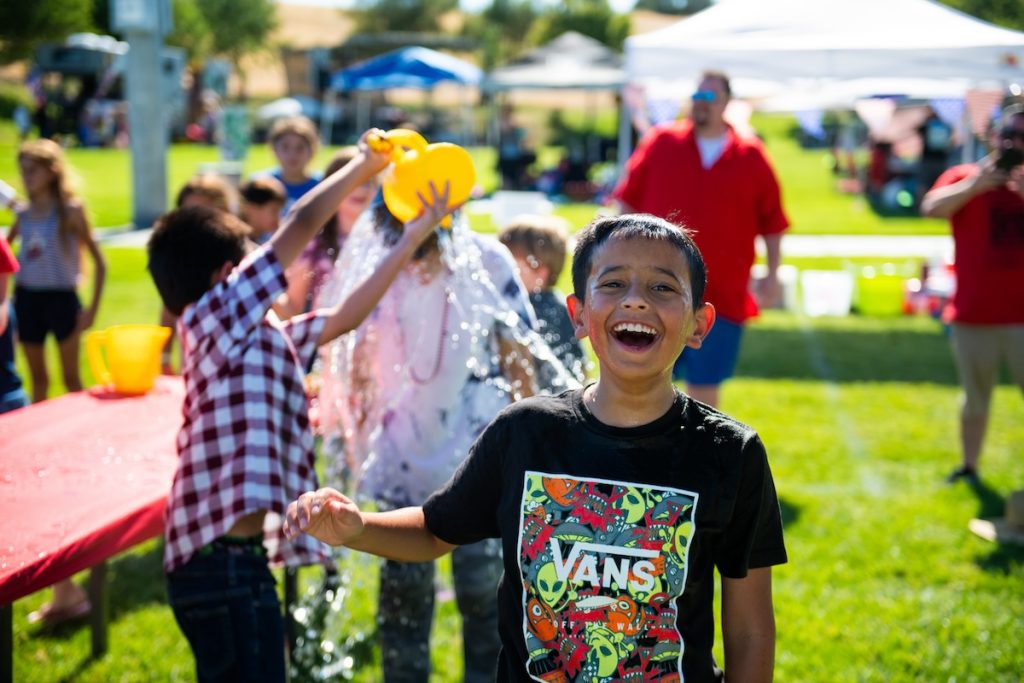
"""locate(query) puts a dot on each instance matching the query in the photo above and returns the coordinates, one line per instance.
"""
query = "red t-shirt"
(727, 206)
(8, 264)
(988, 235)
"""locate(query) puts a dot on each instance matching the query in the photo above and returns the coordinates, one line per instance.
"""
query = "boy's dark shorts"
(43, 311)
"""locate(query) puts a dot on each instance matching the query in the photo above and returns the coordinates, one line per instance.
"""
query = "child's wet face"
(293, 153)
(638, 311)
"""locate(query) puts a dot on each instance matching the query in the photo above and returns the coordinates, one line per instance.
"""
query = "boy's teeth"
(635, 327)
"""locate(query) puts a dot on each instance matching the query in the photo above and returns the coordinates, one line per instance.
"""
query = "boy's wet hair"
(542, 237)
(636, 226)
(263, 190)
(187, 247)
(295, 125)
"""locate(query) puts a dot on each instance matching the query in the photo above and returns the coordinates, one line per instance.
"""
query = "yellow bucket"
(126, 357)
(415, 164)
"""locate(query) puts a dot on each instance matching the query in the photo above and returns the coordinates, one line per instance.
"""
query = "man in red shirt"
(703, 174)
(984, 202)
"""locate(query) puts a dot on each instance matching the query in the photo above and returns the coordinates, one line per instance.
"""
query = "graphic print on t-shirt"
(602, 563)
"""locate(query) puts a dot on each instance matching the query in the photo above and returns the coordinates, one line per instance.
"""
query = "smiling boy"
(614, 503)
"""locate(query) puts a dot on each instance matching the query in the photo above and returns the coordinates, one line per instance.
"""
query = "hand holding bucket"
(415, 164)
(126, 357)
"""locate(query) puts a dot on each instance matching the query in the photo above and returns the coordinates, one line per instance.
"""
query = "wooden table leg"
(98, 616)
(7, 643)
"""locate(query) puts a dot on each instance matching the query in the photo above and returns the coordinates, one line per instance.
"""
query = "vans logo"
(631, 567)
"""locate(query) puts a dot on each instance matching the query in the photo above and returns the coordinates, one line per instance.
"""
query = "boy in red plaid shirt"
(246, 447)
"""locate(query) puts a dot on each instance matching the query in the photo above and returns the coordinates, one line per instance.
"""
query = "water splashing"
(446, 349)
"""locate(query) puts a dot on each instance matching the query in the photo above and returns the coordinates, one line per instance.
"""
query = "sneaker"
(968, 474)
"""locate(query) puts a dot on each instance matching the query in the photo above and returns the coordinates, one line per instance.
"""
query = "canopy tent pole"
(625, 133)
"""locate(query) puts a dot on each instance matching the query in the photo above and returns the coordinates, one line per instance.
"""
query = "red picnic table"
(82, 478)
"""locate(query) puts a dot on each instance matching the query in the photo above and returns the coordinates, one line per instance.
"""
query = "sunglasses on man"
(1012, 134)
(704, 96)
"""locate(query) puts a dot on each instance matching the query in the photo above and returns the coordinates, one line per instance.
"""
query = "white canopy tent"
(802, 44)
(570, 61)
(803, 54)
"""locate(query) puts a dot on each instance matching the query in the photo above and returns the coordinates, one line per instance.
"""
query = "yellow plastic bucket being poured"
(415, 164)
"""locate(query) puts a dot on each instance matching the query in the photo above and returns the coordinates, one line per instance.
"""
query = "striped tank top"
(45, 262)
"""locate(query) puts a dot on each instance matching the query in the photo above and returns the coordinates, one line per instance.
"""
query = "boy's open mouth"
(635, 335)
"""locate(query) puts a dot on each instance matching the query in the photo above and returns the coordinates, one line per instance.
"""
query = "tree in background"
(502, 29)
(378, 16)
(594, 18)
(673, 6)
(238, 29)
(1006, 13)
(24, 24)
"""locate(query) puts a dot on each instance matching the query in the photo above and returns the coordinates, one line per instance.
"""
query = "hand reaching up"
(378, 156)
(325, 514)
(419, 228)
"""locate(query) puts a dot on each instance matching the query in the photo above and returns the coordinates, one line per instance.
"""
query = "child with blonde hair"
(53, 229)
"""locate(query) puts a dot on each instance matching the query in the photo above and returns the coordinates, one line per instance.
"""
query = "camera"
(1009, 158)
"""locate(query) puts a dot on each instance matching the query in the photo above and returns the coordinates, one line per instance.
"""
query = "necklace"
(440, 345)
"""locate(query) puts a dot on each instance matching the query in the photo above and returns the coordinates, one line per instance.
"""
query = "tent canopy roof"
(410, 67)
(783, 41)
(570, 61)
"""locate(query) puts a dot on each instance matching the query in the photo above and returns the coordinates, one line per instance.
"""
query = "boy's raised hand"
(325, 514)
(378, 156)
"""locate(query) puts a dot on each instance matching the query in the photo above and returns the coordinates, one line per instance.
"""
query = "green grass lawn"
(885, 583)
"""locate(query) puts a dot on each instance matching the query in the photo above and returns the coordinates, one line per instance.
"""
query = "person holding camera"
(984, 203)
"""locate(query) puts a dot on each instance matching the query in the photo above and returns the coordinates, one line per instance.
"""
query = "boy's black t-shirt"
(610, 535)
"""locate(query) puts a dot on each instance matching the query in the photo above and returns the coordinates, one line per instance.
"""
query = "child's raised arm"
(334, 518)
(348, 313)
(748, 627)
(317, 205)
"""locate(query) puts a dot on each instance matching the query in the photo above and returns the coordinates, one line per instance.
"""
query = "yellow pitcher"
(126, 357)
(415, 164)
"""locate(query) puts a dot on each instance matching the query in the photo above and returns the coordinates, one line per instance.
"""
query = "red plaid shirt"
(246, 443)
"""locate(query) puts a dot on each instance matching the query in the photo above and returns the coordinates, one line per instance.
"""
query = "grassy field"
(885, 583)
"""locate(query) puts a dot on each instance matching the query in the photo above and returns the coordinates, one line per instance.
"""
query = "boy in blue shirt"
(615, 503)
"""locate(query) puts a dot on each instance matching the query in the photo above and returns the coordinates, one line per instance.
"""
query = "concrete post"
(147, 128)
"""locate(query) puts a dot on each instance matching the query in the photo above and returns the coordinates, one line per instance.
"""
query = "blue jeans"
(405, 611)
(225, 603)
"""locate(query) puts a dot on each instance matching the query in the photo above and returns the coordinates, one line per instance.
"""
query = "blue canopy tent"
(410, 67)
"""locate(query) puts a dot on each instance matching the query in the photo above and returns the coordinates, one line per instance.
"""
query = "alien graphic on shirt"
(602, 563)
